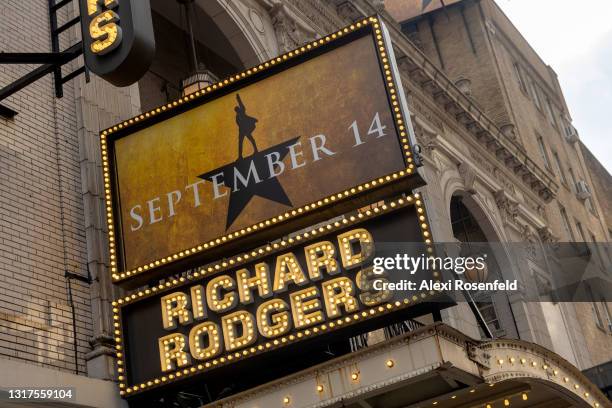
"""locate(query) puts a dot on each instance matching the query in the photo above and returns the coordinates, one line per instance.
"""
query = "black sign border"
(127, 390)
(372, 26)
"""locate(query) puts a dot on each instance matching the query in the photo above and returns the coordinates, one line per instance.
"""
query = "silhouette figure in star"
(246, 126)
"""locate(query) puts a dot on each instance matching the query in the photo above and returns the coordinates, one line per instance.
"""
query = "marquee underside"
(433, 366)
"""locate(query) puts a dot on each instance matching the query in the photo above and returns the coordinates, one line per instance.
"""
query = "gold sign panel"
(292, 136)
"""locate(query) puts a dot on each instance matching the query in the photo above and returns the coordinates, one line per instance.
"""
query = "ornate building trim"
(420, 71)
(291, 28)
(508, 207)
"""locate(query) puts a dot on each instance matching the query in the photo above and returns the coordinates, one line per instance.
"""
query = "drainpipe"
(69, 276)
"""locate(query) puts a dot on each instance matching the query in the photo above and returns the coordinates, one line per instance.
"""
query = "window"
(567, 127)
(589, 205)
(519, 77)
(580, 231)
(603, 319)
(597, 253)
(566, 224)
(489, 314)
(550, 111)
(543, 152)
(559, 168)
(534, 94)
(605, 311)
(573, 180)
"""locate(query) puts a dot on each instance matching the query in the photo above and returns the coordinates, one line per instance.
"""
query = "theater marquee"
(315, 287)
(314, 128)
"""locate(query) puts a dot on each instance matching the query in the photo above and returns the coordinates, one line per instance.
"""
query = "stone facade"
(478, 49)
(478, 119)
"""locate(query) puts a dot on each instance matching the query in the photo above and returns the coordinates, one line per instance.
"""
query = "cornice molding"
(466, 113)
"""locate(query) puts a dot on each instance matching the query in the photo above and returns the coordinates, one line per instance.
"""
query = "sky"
(575, 39)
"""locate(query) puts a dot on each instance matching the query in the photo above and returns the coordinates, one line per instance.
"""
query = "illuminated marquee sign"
(277, 297)
(295, 138)
(119, 44)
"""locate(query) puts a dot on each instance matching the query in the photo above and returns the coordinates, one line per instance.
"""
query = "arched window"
(469, 233)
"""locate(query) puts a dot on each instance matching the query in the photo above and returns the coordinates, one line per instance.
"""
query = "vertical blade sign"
(118, 39)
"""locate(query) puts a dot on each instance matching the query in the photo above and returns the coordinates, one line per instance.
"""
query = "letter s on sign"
(104, 31)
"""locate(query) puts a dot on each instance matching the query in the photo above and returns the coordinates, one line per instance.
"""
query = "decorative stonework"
(291, 31)
(509, 131)
(425, 139)
(546, 235)
(464, 85)
(469, 177)
(103, 346)
(319, 13)
(538, 208)
(508, 207)
(348, 12)
(531, 248)
(416, 105)
(493, 170)
(256, 20)
(379, 5)
(531, 244)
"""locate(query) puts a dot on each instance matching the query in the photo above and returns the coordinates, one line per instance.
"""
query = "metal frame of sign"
(370, 26)
(236, 261)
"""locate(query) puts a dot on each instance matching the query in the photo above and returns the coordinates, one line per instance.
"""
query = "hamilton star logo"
(254, 175)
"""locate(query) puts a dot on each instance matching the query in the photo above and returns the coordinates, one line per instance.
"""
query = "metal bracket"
(7, 112)
(55, 33)
(51, 62)
(71, 275)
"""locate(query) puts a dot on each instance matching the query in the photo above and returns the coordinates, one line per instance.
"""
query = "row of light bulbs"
(271, 248)
(523, 361)
(355, 374)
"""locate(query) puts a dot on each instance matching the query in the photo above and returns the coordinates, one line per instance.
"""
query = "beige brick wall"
(532, 122)
(602, 185)
(461, 57)
(598, 339)
(41, 210)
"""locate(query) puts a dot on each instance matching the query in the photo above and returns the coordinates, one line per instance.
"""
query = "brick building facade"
(489, 114)
(43, 215)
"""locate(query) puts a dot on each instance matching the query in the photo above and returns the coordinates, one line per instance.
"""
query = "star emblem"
(253, 168)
